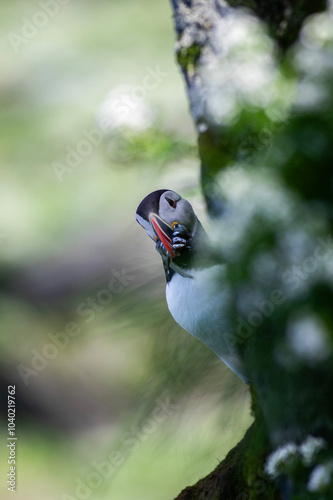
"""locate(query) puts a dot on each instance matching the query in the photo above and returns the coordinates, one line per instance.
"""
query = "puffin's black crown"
(150, 204)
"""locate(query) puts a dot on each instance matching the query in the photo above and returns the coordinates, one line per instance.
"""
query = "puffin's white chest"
(199, 305)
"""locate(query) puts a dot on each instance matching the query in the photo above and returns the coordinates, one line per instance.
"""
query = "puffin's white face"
(161, 211)
(174, 209)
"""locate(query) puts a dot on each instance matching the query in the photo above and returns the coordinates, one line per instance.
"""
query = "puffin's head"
(161, 211)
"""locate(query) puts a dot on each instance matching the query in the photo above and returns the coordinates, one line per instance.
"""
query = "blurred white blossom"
(309, 339)
(122, 108)
(310, 448)
(280, 459)
(244, 72)
(320, 477)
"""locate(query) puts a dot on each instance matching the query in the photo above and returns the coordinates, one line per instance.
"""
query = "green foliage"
(153, 146)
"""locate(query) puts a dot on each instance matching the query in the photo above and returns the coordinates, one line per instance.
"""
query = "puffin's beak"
(162, 231)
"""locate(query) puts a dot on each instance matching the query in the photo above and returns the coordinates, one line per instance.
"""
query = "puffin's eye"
(171, 202)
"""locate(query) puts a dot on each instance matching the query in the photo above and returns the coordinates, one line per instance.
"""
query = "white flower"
(310, 448)
(283, 457)
(280, 459)
(309, 339)
(320, 477)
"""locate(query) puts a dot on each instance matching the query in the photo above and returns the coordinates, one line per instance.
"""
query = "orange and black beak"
(162, 231)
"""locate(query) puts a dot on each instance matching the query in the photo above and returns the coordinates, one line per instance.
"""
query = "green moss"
(188, 56)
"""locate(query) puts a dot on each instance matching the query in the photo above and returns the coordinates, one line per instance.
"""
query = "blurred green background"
(67, 231)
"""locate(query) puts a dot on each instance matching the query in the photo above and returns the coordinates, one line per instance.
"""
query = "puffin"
(197, 294)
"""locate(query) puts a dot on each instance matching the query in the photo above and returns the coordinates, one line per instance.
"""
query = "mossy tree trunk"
(259, 82)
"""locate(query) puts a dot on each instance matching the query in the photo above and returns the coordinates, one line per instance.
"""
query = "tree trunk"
(259, 84)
